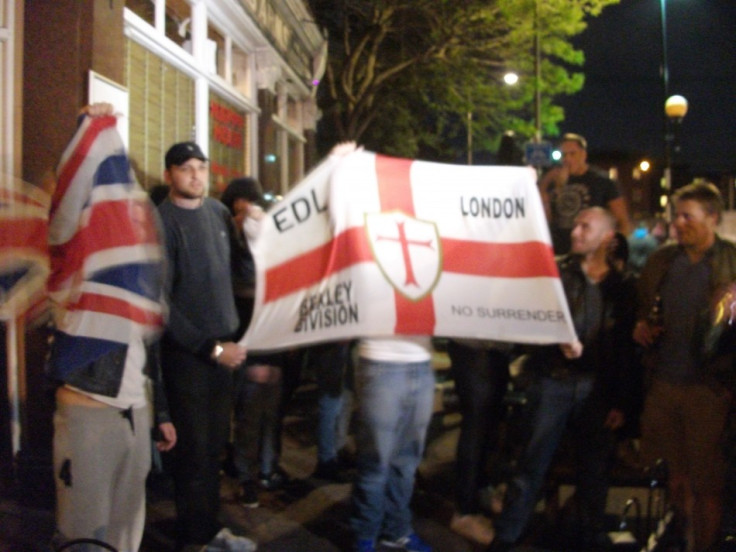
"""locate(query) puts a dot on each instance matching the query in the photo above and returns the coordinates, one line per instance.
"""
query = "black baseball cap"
(182, 152)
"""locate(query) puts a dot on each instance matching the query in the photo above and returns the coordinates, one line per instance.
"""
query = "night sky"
(621, 105)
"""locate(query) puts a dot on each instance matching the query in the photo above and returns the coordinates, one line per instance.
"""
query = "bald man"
(580, 386)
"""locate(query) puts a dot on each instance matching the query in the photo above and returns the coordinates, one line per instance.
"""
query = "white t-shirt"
(403, 348)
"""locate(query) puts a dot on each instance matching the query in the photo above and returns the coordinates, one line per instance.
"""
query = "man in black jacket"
(579, 384)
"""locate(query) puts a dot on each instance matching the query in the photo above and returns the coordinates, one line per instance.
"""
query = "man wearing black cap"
(198, 352)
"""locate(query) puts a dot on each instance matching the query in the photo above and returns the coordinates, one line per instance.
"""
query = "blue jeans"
(256, 431)
(562, 402)
(394, 411)
(330, 363)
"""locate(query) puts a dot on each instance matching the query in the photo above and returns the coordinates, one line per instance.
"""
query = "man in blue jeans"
(394, 384)
(330, 363)
(579, 386)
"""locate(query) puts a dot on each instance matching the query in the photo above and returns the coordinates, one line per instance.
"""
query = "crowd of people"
(654, 353)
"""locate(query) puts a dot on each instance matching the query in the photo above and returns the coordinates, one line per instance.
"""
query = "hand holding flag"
(368, 245)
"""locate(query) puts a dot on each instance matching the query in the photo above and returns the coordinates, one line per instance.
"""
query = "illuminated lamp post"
(510, 79)
(675, 107)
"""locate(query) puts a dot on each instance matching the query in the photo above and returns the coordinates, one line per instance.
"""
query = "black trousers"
(199, 394)
(481, 376)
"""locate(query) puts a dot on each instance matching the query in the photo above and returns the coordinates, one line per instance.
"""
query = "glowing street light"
(675, 108)
(511, 78)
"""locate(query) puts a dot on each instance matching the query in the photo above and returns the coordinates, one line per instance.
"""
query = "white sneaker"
(226, 541)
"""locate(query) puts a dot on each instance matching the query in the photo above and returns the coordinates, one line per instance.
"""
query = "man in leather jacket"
(577, 385)
(689, 355)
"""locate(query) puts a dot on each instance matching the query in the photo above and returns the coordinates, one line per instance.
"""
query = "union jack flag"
(24, 254)
(106, 258)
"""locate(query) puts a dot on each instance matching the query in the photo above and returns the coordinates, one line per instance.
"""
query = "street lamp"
(665, 68)
(675, 108)
(510, 79)
(667, 177)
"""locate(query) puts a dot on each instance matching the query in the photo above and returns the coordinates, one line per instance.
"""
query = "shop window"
(295, 161)
(293, 115)
(178, 21)
(241, 73)
(216, 62)
(270, 161)
(228, 131)
(7, 40)
(161, 111)
(145, 9)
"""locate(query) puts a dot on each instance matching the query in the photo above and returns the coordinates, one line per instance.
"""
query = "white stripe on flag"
(479, 255)
(100, 325)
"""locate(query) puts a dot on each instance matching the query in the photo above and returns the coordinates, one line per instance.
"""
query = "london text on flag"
(369, 245)
(106, 259)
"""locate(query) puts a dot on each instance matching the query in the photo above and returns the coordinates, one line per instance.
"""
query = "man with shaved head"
(579, 385)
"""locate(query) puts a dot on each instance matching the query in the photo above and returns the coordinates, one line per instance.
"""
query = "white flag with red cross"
(369, 245)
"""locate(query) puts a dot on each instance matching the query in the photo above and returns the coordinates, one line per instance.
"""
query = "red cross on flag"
(369, 245)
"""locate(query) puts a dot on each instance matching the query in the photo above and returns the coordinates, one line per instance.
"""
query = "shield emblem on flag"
(407, 250)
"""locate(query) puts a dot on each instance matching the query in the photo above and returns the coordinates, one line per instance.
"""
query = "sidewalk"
(306, 515)
(309, 515)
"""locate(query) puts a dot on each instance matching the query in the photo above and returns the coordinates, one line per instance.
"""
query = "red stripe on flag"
(346, 249)
(109, 226)
(93, 302)
(501, 260)
(67, 173)
(394, 189)
(394, 192)
(17, 233)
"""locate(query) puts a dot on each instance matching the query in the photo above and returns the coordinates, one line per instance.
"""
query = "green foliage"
(403, 75)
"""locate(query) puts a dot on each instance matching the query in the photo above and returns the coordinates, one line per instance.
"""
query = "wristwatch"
(217, 351)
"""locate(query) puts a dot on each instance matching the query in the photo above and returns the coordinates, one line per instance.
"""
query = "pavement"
(306, 515)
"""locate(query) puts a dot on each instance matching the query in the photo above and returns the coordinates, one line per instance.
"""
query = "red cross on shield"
(407, 250)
